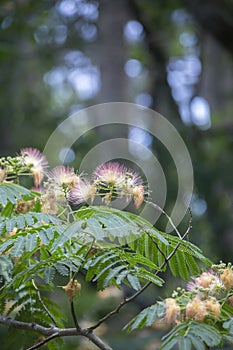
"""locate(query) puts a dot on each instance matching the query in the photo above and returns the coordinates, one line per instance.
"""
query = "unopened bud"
(72, 288)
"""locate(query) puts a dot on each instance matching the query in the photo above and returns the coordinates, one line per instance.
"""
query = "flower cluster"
(108, 181)
(204, 297)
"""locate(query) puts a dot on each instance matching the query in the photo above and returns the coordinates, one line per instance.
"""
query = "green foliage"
(147, 317)
(192, 335)
(110, 247)
(114, 266)
(187, 335)
(157, 248)
(10, 192)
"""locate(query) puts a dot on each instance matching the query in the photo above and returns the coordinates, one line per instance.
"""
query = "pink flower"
(63, 177)
(83, 191)
(196, 309)
(208, 282)
(110, 173)
(37, 163)
(172, 311)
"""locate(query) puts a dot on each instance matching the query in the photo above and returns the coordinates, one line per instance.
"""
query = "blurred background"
(174, 56)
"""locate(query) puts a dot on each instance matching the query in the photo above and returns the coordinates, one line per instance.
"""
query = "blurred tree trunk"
(216, 80)
(110, 50)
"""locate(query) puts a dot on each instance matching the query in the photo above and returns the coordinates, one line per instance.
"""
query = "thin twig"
(190, 223)
(43, 304)
(119, 306)
(156, 206)
(74, 315)
(43, 342)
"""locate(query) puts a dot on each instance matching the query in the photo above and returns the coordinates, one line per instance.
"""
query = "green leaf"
(7, 210)
(169, 345)
(29, 219)
(207, 333)
(12, 192)
(113, 273)
(197, 343)
(229, 325)
(49, 274)
(62, 269)
(147, 317)
(6, 267)
(104, 222)
(30, 243)
(185, 343)
(17, 250)
(182, 265)
(148, 276)
(104, 270)
(187, 334)
(122, 275)
(134, 282)
(6, 245)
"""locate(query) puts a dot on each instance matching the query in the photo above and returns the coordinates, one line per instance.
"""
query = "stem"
(43, 342)
(43, 305)
(74, 315)
(156, 206)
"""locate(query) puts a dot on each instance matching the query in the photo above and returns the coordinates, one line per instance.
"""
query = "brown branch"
(53, 332)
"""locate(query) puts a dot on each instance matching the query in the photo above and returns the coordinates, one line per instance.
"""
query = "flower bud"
(3, 175)
(72, 288)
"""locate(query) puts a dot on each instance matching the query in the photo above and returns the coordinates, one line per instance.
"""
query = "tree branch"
(54, 332)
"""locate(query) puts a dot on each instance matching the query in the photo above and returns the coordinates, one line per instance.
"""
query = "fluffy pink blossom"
(63, 177)
(208, 281)
(83, 191)
(111, 173)
(37, 163)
